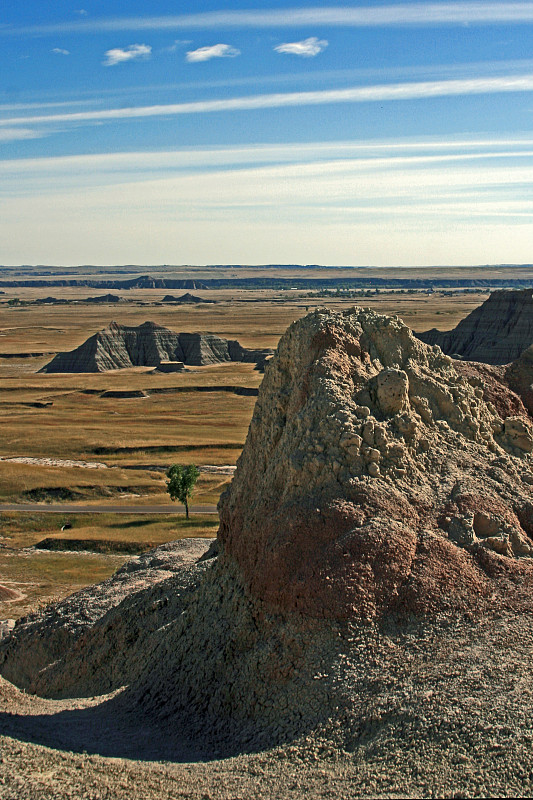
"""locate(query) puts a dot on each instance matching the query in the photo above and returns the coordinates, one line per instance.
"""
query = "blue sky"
(363, 133)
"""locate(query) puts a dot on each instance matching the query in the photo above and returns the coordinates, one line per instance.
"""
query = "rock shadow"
(106, 730)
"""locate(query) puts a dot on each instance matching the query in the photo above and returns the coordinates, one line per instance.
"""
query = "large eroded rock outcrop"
(496, 332)
(376, 477)
(379, 484)
(149, 344)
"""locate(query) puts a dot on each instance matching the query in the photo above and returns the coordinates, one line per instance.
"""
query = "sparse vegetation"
(181, 483)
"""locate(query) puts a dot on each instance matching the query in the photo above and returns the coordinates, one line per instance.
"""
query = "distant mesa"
(147, 282)
(101, 298)
(105, 298)
(185, 298)
(137, 282)
(497, 332)
(151, 345)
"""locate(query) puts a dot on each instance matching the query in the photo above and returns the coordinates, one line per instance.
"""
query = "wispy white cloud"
(134, 52)
(16, 134)
(176, 44)
(359, 94)
(417, 14)
(296, 78)
(81, 11)
(4, 107)
(307, 47)
(369, 152)
(60, 51)
(215, 51)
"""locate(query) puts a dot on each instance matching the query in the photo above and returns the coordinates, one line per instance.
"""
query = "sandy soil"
(456, 720)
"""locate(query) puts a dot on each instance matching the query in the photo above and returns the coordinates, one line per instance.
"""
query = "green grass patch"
(93, 545)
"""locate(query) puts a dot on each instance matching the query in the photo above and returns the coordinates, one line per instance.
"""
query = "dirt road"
(73, 508)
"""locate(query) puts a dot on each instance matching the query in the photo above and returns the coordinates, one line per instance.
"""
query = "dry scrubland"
(174, 423)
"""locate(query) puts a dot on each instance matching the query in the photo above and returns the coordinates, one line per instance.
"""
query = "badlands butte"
(362, 624)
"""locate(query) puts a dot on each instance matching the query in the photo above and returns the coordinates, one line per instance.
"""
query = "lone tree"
(181, 482)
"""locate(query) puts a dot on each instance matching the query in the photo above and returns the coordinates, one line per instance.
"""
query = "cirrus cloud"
(60, 51)
(134, 52)
(215, 51)
(307, 47)
(18, 134)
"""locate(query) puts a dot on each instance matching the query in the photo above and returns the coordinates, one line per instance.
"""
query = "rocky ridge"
(149, 344)
(104, 298)
(40, 640)
(496, 332)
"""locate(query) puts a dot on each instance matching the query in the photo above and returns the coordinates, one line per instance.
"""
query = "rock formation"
(380, 492)
(186, 298)
(104, 298)
(170, 366)
(374, 475)
(149, 344)
(496, 332)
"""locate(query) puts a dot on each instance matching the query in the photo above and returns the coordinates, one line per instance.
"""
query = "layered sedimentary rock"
(496, 332)
(519, 377)
(375, 476)
(149, 344)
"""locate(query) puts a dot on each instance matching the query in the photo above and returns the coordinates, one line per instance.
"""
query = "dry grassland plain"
(60, 417)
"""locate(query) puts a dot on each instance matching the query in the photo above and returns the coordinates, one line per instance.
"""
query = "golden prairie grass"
(256, 323)
(22, 530)
(28, 482)
(78, 426)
